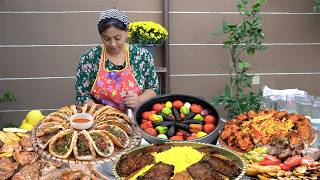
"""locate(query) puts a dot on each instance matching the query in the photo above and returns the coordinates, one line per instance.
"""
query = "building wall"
(41, 42)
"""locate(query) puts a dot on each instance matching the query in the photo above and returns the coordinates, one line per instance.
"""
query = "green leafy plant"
(317, 6)
(243, 38)
(7, 97)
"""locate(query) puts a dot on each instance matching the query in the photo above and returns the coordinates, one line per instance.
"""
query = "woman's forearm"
(146, 95)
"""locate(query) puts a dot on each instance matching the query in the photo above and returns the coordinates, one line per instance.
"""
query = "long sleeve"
(144, 68)
(86, 74)
(151, 81)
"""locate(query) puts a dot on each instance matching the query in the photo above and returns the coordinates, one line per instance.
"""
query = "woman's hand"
(131, 100)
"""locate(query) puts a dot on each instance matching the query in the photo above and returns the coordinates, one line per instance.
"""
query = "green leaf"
(7, 97)
(244, 65)
(247, 35)
(247, 13)
(250, 52)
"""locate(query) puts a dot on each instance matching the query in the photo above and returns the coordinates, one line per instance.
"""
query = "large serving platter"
(134, 141)
(217, 149)
(294, 130)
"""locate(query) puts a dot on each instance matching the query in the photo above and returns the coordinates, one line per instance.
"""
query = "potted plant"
(243, 38)
(147, 34)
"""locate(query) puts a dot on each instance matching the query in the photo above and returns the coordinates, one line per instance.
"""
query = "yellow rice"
(179, 157)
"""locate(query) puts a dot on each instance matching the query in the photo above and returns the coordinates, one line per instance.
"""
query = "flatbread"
(101, 110)
(100, 135)
(66, 110)
(84, 144)
(84, 108)
(75, 109)
(92, 109)
(115, 114)
(126, 127)
(48, 119)
(118, 136)
(46, 131)
(64, 149)
(59, 115)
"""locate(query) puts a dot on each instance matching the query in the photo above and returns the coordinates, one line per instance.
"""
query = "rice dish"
(180, 157)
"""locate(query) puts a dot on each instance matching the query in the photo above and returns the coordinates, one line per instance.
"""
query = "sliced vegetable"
(293, 161)
(261, 150)
(285, 167)
(269, 160)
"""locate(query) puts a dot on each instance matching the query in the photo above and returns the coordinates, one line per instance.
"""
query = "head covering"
(116, 14)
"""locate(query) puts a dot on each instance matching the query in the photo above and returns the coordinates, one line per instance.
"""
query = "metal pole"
(166, 46)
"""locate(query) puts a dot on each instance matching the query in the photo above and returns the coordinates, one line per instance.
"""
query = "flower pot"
(150, 47)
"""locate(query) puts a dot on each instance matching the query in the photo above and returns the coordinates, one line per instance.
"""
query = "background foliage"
(245, 37)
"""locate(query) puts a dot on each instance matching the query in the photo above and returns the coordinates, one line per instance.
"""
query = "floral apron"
(112, 86)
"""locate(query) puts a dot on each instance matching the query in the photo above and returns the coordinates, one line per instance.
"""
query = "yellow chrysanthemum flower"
(147, 32)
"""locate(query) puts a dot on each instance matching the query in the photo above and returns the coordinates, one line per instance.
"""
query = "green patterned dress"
(141, 62)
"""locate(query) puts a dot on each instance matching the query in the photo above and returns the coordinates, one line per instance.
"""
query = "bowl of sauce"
(81, 121)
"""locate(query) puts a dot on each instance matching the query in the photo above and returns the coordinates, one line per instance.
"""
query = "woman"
(115, 73)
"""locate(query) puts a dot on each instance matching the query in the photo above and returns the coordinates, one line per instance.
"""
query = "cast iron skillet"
(146, 106)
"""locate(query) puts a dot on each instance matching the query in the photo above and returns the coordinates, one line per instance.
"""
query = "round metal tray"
(220, 150)
(135, 140)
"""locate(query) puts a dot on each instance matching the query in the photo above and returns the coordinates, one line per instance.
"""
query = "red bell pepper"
(269, 160)
(293, 161)
(285, 167)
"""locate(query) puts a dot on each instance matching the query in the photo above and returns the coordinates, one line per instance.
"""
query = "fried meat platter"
(179, 162)
(275, 144)
(111, 134)
(19, 161)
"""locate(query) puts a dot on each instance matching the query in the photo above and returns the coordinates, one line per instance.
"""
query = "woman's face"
(114, 39)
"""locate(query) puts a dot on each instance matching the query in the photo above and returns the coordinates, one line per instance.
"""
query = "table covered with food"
(169, 137)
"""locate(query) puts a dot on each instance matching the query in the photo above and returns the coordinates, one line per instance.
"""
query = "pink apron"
(112, 86)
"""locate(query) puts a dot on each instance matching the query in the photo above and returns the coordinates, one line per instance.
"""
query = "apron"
(112, 86)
